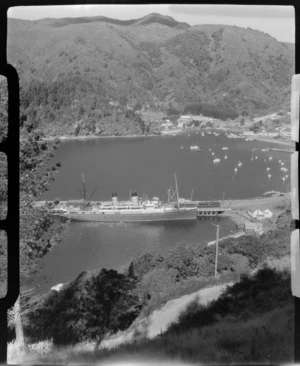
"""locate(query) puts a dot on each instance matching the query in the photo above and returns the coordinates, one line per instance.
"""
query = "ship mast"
(177, 191)
(84, 192)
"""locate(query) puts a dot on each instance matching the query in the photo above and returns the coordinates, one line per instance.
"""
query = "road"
(159, 320)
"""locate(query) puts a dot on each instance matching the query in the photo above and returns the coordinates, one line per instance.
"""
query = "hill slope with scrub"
(89, 75)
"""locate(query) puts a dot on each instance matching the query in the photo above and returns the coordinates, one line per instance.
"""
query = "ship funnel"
(134, 198)
(114, 198)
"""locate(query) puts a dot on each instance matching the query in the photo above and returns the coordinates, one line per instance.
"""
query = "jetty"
(205, 208)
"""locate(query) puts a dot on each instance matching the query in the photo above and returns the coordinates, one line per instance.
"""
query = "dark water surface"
(147, 166)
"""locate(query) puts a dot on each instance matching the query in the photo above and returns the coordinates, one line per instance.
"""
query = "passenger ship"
(135, 210)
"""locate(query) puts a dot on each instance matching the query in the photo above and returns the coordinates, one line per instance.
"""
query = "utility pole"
(217, 250)
(177, 191)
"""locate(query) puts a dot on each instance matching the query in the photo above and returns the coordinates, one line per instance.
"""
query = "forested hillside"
(89, 75)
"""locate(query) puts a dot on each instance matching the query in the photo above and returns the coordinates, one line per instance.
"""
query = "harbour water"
(147, 165)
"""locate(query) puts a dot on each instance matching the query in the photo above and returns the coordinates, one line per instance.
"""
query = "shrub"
(87, 308)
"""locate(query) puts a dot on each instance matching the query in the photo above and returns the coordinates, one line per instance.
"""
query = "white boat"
(225, 157)
(235, 170)
(195, 147)
(240, 163)
(269, 176)
(224, 148)
(181, 147)
(216, 161)
(268, 169)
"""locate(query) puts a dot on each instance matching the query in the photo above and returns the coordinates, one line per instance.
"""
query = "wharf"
(205, 208)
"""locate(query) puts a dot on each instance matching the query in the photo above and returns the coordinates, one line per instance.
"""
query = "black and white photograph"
(155, 184)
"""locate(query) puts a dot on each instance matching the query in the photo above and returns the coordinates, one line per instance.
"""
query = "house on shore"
(253, 228)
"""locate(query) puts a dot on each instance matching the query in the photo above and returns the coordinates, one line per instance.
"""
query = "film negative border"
(11, 148)
(295, 252)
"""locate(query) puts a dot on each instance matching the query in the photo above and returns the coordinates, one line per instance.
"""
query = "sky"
(278, 21)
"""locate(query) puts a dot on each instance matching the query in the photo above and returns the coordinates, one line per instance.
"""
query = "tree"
(34, 222)
(256, 127)
(85, 309)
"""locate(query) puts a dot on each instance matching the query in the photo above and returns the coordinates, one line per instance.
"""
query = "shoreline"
(93, 137)
(62, 138)
(289, 143)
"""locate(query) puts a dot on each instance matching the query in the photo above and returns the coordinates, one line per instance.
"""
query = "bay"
(147, 165)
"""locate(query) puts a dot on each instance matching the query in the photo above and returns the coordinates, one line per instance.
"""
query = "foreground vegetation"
(252, 321)
(100, 303)
(39, 232)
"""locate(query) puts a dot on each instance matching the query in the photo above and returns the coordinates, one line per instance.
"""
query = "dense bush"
(87, 308)
(220, 110)
(244, 300)
(86, 102)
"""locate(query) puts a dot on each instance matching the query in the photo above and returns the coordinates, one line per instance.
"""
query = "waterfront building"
(258, 215)
(252, 228)
(268, 214)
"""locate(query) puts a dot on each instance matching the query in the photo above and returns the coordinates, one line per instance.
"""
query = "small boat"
(269, 176)
(268, 169)
(225, 157)
(212, 153)
(240, 163)
(216, 161)
(224, 148)
(209, 149)
(270, 158)
(195, 148)
(283, 179)
(181, 147)
(256, 157)
(235, 170)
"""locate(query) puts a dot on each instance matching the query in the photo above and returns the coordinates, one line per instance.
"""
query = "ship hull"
(145, 217)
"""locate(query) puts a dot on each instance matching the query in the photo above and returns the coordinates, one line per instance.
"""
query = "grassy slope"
(251, 322)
